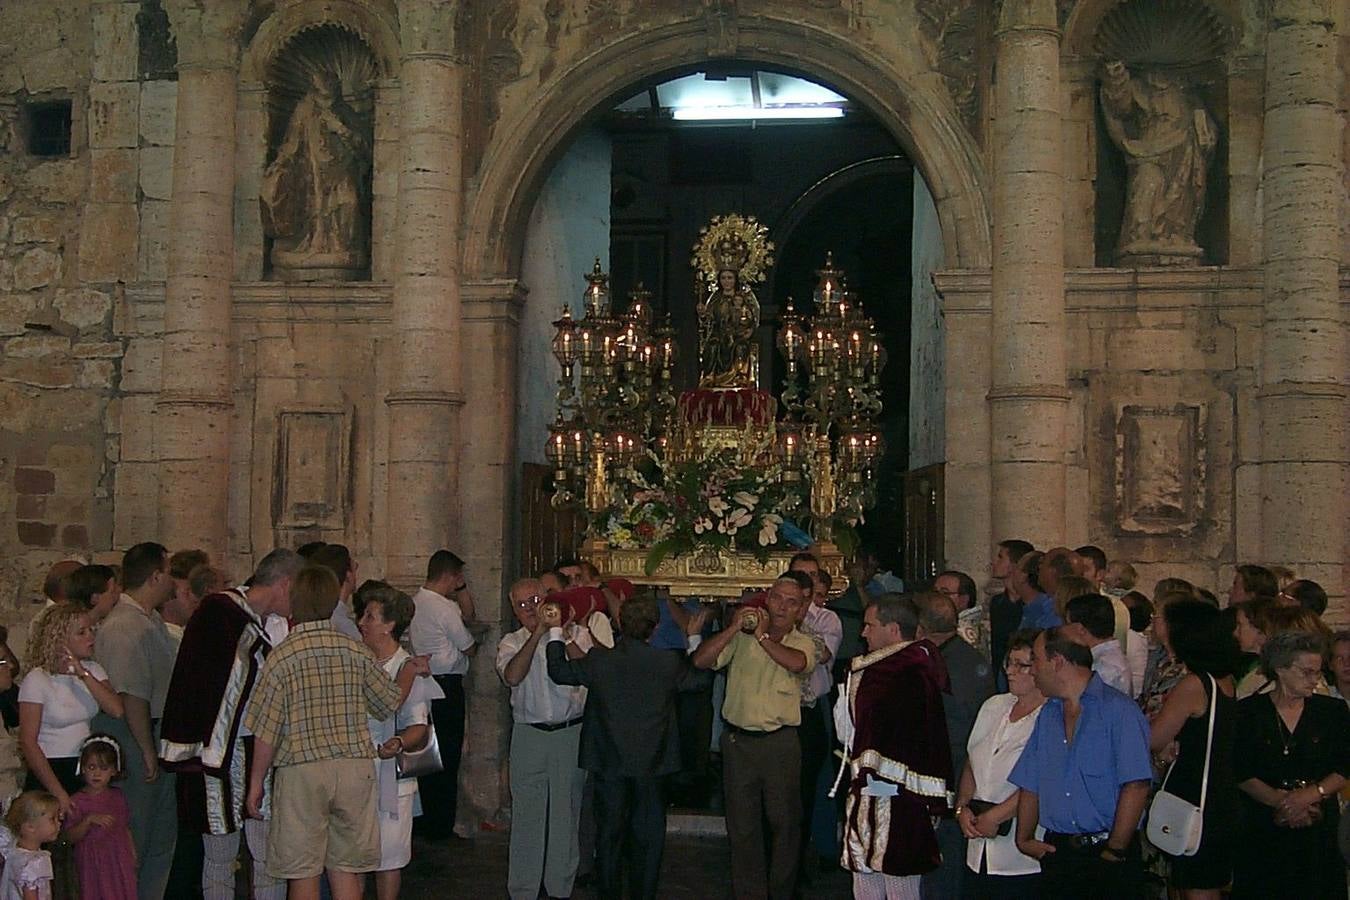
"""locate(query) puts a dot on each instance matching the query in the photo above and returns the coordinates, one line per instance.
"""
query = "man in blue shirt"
(1084, 776)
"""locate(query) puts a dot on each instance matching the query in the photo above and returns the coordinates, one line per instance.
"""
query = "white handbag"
(1175, 825)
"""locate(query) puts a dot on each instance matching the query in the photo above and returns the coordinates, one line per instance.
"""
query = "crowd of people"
(1069, 736)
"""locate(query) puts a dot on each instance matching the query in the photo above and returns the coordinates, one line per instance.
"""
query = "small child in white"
(33, 819)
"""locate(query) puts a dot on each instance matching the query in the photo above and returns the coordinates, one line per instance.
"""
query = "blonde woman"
(58, 698)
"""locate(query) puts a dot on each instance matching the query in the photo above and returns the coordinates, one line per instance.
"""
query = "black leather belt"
(555, 726)
(1084, 841)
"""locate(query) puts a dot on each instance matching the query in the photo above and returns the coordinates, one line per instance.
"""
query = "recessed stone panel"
(1160, 468)
(311, 481)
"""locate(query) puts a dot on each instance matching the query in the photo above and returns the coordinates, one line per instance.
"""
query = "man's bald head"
(53, 585)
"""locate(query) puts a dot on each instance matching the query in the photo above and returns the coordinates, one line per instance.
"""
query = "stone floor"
(695, 869)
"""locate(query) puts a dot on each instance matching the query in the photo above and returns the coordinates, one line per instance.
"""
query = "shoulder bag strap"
(1209, 738)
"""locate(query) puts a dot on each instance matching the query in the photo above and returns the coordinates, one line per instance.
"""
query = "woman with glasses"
(986, 801)
(1291, 756)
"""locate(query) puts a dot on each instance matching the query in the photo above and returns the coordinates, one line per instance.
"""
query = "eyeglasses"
(1013, 665)
(1305, 671)
(529, 602)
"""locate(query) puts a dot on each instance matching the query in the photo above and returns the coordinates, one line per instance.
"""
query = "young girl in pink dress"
(98, 824)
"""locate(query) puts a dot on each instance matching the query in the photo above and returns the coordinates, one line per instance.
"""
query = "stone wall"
(59, 354)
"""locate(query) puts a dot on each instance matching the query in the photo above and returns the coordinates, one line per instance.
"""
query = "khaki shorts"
(323, 816)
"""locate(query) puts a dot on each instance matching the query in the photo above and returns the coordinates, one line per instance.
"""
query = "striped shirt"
(314, 694)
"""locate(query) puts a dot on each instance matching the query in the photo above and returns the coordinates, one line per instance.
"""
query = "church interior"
(281, 271)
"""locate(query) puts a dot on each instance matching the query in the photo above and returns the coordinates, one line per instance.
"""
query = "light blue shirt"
(1040, 613)
(1078, 782)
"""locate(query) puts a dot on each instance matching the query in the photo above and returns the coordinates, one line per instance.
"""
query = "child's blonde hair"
(1121, 575)
(27, 807)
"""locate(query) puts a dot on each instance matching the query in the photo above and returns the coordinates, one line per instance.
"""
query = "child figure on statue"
(33, 819)
(99, 824)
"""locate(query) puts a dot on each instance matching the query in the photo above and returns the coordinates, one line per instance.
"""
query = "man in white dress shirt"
(1092, 623)
(546, 781)
(438, 631)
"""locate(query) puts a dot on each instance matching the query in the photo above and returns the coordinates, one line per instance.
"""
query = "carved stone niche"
(316, 187)
(311, 482)
(1160, 469)
(1161, 199)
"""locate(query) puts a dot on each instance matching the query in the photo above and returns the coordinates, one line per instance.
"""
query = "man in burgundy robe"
(202, 735)
(898, 772)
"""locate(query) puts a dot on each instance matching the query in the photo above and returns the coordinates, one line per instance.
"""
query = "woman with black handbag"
(1196, 727)
(986, 801)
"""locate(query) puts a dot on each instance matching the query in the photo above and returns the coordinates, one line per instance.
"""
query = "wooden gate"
(546, 534)
(924, 556)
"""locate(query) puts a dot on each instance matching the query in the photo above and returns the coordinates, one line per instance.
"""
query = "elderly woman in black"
(1292, 755)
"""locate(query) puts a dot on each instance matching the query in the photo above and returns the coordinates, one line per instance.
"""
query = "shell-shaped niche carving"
(1163, 33)
(316, 187)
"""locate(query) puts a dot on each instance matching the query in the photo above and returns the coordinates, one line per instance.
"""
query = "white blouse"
(995, 745)
(67, 708)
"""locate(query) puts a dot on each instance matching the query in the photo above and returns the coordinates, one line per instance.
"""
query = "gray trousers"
(546, 787)
(154, 811)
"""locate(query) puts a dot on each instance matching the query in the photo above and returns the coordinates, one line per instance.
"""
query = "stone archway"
(926, 127)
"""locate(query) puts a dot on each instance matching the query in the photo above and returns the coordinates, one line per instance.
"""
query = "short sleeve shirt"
(1078, 782)
(538, 700)
(67, 707)
(761, 694)
(314, 695)
(135, 648)
(438, 630)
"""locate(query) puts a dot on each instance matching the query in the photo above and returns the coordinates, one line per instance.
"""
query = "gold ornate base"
(707, 573)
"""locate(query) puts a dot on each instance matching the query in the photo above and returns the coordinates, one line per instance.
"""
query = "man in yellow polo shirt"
(761, 758)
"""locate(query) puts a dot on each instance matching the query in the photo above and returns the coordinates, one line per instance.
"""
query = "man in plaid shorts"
(308, 716)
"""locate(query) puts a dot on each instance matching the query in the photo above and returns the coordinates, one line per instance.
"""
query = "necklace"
(1286, 736)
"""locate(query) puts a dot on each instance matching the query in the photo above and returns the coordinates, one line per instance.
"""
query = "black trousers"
(1081, 872)
(440, 792)
(631, 813)
(815, 748)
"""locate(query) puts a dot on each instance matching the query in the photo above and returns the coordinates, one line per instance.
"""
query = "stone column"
(1028, 397)
(194, 407)
(492, 309)
(1302, 392)
(424, 403)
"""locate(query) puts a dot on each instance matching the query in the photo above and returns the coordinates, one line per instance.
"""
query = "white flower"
(702, 524)
(768, 532)
(739, 519)
(718, 506)
(745, 498)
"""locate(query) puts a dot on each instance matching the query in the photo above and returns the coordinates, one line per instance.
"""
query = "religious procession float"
(710, 491)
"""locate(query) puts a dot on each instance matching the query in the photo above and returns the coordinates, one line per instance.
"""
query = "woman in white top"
(58, 698)
(383, 614)
(986, 801)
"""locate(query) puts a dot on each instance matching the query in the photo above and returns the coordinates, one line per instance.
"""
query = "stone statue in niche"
(1168, 140)
(316, 189)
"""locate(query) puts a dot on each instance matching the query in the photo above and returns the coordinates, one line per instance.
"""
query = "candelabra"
(828, 442)
(622, 403)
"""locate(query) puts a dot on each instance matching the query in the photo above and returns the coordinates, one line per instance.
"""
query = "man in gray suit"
(972, 682)
(629, 740)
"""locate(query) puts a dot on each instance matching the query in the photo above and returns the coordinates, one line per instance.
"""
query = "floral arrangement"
(711, 501)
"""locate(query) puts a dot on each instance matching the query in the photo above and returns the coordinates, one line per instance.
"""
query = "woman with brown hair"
(1202, 770)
